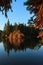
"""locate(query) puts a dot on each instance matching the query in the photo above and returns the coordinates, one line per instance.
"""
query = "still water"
(21, 56)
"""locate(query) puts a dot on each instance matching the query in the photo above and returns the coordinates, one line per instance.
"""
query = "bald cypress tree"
(33, 5)
(36, 7)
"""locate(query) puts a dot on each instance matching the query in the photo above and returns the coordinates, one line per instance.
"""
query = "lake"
(25, 55)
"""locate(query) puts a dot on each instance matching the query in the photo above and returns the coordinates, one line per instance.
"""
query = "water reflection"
(27, 53)
(35, 45)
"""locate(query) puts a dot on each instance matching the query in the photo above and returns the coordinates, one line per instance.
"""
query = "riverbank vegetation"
(20, 32)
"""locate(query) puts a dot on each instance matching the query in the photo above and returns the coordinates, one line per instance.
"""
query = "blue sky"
(19, 14)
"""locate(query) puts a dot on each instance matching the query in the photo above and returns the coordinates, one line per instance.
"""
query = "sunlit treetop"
(5, 5)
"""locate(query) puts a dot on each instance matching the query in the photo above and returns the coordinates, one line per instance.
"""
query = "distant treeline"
(29, 31)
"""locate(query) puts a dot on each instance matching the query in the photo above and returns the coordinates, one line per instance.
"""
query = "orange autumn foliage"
(39, 18)
(39, 24)
(10, 38)
(40, 35)
(16, 38)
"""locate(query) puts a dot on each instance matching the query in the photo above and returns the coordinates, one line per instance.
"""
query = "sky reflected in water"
(22, 57)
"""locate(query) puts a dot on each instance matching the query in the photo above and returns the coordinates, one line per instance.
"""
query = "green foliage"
(5, 5)
(32, 5)
(29, 4)
(7, 29)
(1, 35)
(15, 26)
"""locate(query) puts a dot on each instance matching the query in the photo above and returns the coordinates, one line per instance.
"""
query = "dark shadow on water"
(31, 44)
(21, 58)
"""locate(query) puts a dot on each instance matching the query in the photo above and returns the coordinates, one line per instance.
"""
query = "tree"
(5, 5)
(30, 21)
(7, 29)
(33, 5)
(36, 7)
(15, 27)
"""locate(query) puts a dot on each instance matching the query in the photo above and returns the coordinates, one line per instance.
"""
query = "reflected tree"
(33, 45)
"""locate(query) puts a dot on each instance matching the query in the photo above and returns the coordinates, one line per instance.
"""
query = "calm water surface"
(26, 56)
